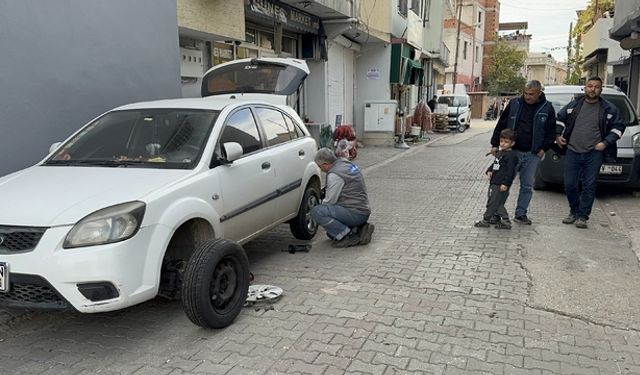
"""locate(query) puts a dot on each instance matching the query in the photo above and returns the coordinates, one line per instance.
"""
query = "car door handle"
(301, 153)
(266, 165)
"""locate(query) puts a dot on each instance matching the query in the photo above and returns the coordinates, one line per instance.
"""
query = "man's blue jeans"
(527, 166)
(583, 167)
(337, 220)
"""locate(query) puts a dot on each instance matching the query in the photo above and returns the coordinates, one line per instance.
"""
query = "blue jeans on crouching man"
(337, 220)
(527, 166)
(583, 166)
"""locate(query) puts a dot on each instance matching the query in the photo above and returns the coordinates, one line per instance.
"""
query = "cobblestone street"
(431, 294)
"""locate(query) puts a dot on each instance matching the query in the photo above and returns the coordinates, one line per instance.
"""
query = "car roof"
(209, 103)
(575, 89)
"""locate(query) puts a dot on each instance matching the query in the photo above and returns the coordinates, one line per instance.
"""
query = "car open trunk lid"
(265, 79)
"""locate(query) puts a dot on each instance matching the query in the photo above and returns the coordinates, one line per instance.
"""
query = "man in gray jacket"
(345, 208)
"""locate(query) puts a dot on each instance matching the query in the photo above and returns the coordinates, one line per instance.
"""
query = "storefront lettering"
(284, 14)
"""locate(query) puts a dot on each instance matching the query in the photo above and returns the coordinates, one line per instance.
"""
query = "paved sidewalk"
(429, 295)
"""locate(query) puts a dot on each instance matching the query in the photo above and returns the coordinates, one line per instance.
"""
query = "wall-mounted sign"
(373, 73)
(283, 13)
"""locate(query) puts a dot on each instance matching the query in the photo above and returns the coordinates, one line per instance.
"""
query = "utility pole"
(569, 53)
(455, 64)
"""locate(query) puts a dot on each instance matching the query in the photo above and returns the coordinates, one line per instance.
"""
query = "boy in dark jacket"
(501, 174)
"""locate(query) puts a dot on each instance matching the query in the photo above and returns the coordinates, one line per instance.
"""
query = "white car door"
(290, 155)
(248, 183)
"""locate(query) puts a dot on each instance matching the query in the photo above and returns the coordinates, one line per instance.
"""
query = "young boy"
(501, 174)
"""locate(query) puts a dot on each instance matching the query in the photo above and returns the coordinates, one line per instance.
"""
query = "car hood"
(61, 195)
(457, 110)
(627, 137)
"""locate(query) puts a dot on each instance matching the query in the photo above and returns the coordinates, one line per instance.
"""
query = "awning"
(413, 73)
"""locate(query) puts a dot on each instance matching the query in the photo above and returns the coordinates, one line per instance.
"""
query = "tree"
(506, 65)
(586, 19)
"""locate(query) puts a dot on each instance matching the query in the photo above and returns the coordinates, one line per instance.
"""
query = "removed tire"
(303, 227)
(216, 283)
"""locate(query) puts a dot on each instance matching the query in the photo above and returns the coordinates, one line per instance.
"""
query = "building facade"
(465, 36)
(626, 30)
(62, 66)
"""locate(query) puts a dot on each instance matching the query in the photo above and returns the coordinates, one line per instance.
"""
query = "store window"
(266, 40)
(289, 45)
(222, 53)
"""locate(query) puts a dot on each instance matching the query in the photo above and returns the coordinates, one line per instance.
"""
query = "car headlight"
(635, 140)
(111, 224)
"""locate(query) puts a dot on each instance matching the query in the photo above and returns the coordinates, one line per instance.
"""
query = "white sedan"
(156, 198)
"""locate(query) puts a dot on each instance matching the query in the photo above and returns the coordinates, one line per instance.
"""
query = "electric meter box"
(380, 115)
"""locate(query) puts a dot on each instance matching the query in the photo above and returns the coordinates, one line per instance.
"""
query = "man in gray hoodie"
(345, 208)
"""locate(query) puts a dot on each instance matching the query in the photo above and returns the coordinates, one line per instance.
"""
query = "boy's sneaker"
(522, 219)
(570, 219)
(366, 230)
(581, 223)
(495, 219)
(503, 224)
(482, 224)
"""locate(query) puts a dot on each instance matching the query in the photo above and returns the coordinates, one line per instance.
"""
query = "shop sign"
(373, 73)
(284, 14)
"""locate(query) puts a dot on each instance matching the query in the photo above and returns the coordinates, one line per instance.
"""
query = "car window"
(621, 102)
(453, 101)
(241, 128)
(274, 125)
(294, 129)
(159, 138)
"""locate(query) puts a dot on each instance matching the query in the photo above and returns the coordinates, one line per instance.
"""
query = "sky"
(548, 22)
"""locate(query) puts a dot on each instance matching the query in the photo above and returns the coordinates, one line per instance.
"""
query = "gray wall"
(377, 56)
(64, 62)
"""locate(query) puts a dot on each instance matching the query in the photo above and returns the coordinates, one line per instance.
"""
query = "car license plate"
(4, 277)
(611, 169)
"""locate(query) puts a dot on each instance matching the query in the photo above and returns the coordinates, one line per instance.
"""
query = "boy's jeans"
(527, 166)
(586, 167)
(337, 220)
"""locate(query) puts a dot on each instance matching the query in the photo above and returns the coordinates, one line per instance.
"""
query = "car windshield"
(621, 102)
(146, 138)
(453, 101)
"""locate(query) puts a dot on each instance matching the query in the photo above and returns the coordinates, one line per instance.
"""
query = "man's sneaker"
(522, 219)
(581, 223)
(482, 224)
(351, 239)
(570, 219)
(503, 224)
(366, 230)
(495, 219)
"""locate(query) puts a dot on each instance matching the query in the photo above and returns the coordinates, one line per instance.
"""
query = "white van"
(459, 110)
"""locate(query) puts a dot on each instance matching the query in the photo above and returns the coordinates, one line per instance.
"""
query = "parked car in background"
(155, 198)
(624, 171)
(459, 110)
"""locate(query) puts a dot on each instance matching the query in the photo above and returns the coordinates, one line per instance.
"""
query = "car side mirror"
(233, 150)
(54, 146)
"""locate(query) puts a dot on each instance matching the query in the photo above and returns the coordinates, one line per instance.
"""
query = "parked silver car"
(624, 171)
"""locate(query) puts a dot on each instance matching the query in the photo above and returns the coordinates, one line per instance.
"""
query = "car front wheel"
(216, 283)
(303, 227)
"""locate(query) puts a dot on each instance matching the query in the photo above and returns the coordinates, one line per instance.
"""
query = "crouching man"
(345, 208)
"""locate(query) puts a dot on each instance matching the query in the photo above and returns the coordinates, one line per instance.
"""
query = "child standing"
(501, 174)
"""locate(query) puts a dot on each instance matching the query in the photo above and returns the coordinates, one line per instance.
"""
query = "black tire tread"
(194, 275)
(298, 223)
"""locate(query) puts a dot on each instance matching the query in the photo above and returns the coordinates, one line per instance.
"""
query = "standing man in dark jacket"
(533, 119)
(592, 127)
(433, 103)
